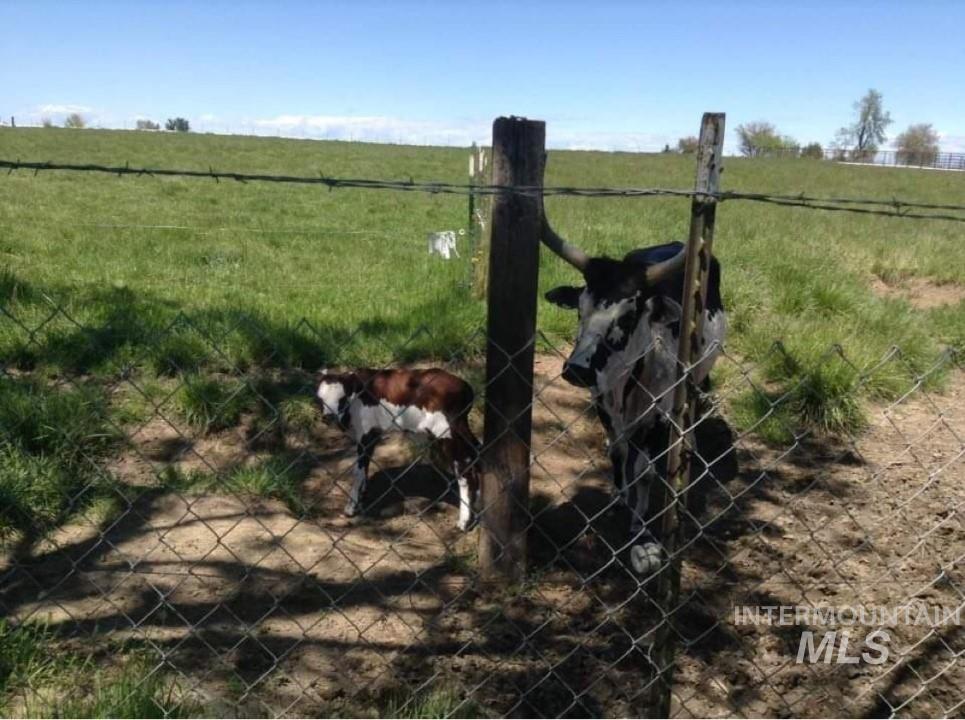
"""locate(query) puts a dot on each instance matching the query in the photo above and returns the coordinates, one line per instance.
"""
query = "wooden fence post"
(471, 221)
(518, 157)
(478, 207)
(703, 212)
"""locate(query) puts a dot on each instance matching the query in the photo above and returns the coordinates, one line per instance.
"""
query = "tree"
(666, 149)
(178, 124)
(758, 139)
(46, 122)
(867, 132)
(147, 125)
(813, 151)
(76, 121)
(687, 145)
(918, 145)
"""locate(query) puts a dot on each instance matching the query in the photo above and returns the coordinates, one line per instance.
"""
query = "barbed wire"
(205, 230)
(897, 207)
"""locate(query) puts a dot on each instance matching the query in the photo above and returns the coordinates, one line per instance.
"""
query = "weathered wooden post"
(700, 241)
(518, 156)
(478, 205)
(471, 221)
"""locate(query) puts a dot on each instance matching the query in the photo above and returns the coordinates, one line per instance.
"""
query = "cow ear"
(566, 296)
(665, 311)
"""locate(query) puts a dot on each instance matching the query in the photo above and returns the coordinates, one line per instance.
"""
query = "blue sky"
(608, 75)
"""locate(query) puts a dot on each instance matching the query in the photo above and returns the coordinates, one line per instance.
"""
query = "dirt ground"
(921, 293)
(259, 612)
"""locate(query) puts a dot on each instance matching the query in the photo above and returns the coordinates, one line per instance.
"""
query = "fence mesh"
(175, 536)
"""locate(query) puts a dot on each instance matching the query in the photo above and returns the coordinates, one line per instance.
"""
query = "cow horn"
(662, 270)
(571, 253)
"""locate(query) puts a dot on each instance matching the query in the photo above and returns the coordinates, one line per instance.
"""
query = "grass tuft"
(278, 477)
(50, 440)
(442, 702)
(212, 404)
(24, 655)
(136, 691)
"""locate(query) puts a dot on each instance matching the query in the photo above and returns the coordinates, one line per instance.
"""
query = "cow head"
(615, 298)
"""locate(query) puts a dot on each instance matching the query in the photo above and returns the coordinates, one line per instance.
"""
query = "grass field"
(220, 311)
(240, 278)
(270, 275)
(243, 278)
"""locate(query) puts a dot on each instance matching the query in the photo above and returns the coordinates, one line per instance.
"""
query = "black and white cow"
(368, 404)
(625, 353)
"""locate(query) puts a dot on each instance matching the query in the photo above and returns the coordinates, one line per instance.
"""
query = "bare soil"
(921, 293)
(260, 612)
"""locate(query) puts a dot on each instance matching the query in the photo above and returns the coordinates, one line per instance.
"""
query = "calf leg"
(364, 450)
(463, 452)
(462, 449)
(465, 498)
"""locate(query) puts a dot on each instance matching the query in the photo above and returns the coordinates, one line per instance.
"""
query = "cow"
(368, 404)
(625, 354)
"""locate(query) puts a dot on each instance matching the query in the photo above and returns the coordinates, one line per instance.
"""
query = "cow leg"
(364, 449)
(646, 553)
(638, 475)
(618, 458)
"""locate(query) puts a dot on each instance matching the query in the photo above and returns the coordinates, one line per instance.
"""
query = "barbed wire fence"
(220, 570)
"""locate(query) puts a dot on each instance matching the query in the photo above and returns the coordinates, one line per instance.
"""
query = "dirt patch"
(275, 614)
(921, 293)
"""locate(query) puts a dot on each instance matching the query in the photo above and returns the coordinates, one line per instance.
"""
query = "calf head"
(618, 295)
(335, 392)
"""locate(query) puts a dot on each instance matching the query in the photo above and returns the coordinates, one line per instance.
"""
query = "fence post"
(518, 157)
(700, 240)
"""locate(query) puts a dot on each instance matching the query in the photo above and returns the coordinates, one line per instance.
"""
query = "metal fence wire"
(181, 534)
(203, 547)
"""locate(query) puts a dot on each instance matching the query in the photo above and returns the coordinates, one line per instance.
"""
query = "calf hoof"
(646, 558)
(352, 509)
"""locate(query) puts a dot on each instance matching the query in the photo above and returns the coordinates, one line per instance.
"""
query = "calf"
(367, 404)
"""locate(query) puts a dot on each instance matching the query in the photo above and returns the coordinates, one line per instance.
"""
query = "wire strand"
(897, 208)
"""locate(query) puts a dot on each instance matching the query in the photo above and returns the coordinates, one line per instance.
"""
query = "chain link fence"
(183, 539)
(183, 534)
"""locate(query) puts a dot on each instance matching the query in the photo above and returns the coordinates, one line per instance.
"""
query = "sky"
(603, 74)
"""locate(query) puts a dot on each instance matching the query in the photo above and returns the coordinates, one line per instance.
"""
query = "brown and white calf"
(368, 404)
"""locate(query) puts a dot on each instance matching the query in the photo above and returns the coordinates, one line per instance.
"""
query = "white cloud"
(370, 128)
(951, 143)
(63, 109)
(376, 128)
(609, 141)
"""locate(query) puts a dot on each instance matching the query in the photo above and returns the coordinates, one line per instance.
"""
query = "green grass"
(272, 276)
(211, 403)
(54, 682)
(279, 477)
(24, 656)
(51, 438)
(436, 702)
(136, 691)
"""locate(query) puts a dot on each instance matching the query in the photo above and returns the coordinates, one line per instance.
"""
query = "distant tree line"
(859, 141)
(76, 121)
